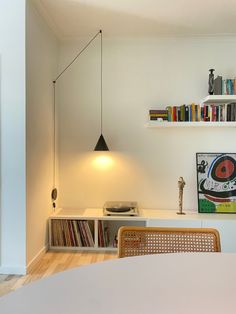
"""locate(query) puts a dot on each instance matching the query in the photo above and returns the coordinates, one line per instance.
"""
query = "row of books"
(72, 233)
(224, 86)
(194, 112)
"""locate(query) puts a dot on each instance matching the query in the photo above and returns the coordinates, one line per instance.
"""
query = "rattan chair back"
(134, 241)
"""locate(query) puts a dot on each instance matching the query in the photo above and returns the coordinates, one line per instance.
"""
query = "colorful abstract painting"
(216, 179)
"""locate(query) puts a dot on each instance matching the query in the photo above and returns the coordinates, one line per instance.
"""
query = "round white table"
(165, 283)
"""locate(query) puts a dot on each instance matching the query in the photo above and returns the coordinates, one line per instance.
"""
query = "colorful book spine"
(228, 114)
(190, 113)
(213, 113)
(186, 114)
(229, 87)
(193, 112)
(233, 112)
(178, 113)
(182, 113)
(198, 112)
(174, 114)
(224, 89)
(202, 113)
(206, 113)
(169, 113)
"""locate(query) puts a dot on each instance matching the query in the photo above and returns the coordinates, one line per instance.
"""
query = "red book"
(174, 114)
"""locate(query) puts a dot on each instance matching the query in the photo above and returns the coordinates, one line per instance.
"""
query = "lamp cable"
(54, 190)
(77, 56)
(54, 134)
(101, 82)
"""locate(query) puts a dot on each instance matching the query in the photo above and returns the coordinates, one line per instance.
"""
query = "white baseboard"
(15, 270)
(36, 259)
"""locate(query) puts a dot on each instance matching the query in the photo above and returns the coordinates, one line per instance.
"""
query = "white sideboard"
(224, 223)
(93, 218)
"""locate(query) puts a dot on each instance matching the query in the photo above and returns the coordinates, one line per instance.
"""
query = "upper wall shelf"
(163, 124)
(223, 99)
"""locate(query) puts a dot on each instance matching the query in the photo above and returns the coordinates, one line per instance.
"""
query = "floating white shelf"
(224, 99)
(163, 124)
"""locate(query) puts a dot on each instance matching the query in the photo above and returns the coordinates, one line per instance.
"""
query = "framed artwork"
(216, 182)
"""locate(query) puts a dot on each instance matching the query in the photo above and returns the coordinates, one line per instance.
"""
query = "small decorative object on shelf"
(181, 184)
(211, 82)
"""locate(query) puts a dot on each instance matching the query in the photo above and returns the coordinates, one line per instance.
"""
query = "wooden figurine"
(181, 184)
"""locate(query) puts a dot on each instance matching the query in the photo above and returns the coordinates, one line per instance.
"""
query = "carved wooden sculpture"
(181, 184)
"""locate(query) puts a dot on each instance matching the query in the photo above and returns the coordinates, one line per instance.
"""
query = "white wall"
(139, 74)
(42, 58)
(13, 194)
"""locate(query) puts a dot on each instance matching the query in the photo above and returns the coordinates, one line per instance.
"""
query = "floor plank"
(51, 263)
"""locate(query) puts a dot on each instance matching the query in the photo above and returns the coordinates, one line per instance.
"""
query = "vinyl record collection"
(75, 233)
(78, 233)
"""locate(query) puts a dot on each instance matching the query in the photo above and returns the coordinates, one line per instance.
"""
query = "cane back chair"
(133, 241)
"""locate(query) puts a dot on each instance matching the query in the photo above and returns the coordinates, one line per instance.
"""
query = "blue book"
(190, 113)
(229, 87)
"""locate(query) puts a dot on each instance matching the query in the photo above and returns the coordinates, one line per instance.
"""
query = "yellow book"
(193, 112)
(198, 112)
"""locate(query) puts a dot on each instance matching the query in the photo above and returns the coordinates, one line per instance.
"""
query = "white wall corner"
(12, 270)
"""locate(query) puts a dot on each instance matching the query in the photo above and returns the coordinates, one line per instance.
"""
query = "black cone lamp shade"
(101, 144)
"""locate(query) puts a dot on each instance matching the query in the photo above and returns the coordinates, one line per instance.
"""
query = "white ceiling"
(76, 18)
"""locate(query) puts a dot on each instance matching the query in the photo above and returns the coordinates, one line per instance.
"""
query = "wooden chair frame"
(134, 241)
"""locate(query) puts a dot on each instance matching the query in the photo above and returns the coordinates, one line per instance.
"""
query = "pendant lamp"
(101, 144)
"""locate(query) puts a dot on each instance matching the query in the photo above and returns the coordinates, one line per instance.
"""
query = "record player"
(120, 208)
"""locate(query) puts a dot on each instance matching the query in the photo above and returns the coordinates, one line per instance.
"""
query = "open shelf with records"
(87, 229)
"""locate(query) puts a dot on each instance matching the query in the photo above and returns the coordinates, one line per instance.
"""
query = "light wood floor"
(52, 262)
